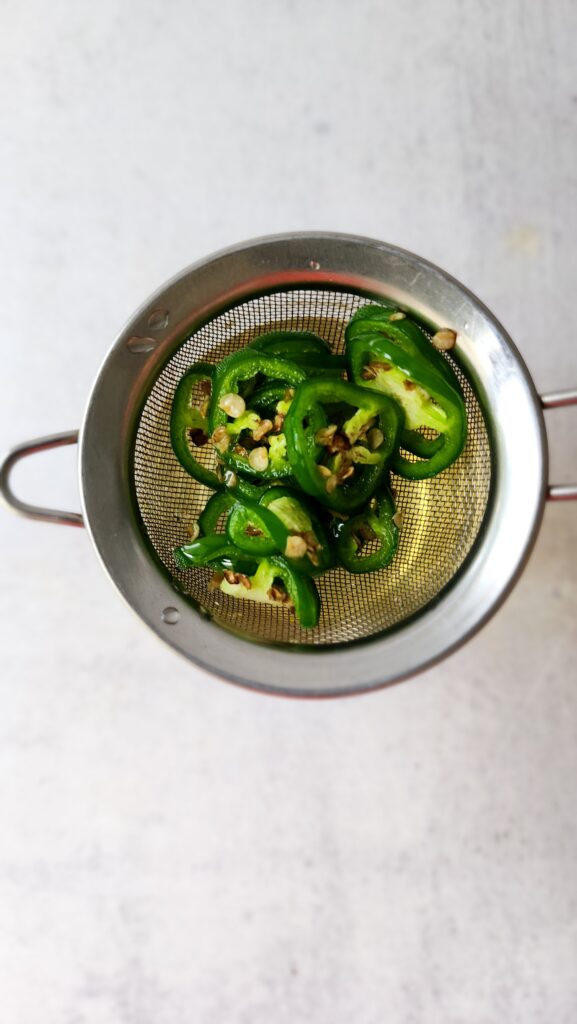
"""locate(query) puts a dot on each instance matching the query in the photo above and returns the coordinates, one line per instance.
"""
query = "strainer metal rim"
(504, 389)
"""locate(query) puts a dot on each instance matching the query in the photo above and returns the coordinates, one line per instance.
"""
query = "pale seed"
(296, 547)
(237, 577)
(253, 531)
(325, 435)
(258, 459)
(331, 483)
(324, 471)
(398, 519)
(375, 437)
(264, 427)
(444, 340)
(193, 531)
(368, 373)
(313, 547)
(233, 405)
(397, 316)
(220, 439)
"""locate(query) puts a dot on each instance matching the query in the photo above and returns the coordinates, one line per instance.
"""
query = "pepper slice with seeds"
(368, 541)
(283, 524)
(255, 530)
(406, 335)
(301, 522)
(243, 374)
(189, 427)
(345, 480)
(275, 582)
(396, 358)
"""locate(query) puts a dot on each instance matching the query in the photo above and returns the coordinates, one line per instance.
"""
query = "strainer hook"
(21, 451)
(557, 400)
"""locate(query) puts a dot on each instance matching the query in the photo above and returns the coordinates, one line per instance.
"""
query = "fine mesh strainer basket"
(465, 534)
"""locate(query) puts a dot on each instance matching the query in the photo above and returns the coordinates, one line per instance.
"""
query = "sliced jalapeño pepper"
(323, 366)
(402, 331)
(215, 552)
(256, 530)
(395, 358)
(189, 424)
(341, 463)
(269, 580)
(312, 353)
(275, 582)
(241, 488)
(310, 544)
(272, 400)
(245, 442)
(291, 344)
(216, 505)
(375, 525)
(281, 524)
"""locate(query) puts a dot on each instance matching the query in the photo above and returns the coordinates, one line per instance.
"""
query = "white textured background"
(173, 849)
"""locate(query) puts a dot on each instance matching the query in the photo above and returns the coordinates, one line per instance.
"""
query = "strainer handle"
(21, 451)
(556, 400)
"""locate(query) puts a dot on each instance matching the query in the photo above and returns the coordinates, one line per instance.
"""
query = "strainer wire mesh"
(441, 517)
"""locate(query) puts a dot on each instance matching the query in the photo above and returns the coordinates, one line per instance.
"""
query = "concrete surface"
(173, 849)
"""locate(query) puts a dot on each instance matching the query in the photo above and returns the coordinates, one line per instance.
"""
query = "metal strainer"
(465, 534)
